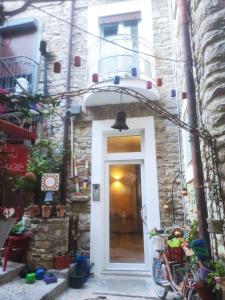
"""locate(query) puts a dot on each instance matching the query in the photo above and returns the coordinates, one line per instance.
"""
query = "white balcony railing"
(109, 60)
(19, 67)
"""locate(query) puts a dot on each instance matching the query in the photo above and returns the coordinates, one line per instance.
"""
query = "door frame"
(100, 129)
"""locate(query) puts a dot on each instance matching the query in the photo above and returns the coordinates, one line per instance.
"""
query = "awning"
(16, 132)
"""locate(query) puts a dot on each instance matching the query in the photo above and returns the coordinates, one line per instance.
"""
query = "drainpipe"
(67, 107)
(193, 122)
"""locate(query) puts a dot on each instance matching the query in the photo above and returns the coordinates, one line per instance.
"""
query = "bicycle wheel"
(160, 286)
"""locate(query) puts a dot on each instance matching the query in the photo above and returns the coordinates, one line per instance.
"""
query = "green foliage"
(218, 268)
(193, 231)
(45, 157)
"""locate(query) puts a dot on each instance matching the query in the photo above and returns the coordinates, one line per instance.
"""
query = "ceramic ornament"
(50, 182)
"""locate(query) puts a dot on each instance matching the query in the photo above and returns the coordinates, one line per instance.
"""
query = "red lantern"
(57, 67)
(95, 77)
(184, 95)
(159, 82)
(77, 61)
(148, 85)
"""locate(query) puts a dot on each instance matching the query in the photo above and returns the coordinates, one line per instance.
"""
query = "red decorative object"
(175, 254)
(95, 77)
(148, 85)
(16, 158)
(159, 82)
(14, 131)
(57, 67)
(15, 245)
(77, 61)
(184, 95)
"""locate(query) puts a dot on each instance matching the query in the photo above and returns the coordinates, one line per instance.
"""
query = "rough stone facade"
(48, 238)
(56, 33)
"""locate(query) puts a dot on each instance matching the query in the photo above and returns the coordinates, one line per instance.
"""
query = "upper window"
(122, 144)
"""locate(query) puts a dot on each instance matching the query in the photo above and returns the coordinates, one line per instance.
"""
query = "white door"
(124, 192)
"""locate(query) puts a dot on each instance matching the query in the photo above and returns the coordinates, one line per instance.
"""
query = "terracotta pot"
(59, 262)
(33, 211)
(62, 262)
(46, 211)
(60, 211)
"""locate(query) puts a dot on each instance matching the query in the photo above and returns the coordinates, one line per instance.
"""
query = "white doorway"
(124, 168)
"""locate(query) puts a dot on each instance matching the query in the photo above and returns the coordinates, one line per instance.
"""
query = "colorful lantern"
(149, 85)
(77, 61)
(159, 82)
(173, 93)
(57, 67)
(134, 72)
(116, 79)
(95, 77)
(184, 95)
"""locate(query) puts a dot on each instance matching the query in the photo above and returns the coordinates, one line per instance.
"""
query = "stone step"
(12, 271)
(39, 290)
(64, 273)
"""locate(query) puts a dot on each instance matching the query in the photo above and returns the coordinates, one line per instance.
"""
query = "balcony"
(109, 60)
(19, 67)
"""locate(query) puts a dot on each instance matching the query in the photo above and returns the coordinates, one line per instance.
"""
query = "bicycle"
(170, 274)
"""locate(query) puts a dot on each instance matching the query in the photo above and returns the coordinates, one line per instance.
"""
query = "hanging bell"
(120, 122)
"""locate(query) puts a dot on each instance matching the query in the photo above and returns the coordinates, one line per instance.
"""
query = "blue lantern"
(173, 93)
(134, 72)
(116, 79)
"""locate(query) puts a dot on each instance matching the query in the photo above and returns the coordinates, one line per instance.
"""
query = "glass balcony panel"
(109, 60)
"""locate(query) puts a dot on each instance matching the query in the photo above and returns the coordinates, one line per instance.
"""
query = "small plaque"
(50, 182)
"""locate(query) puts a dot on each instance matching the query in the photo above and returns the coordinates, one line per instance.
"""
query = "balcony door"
(114, 59)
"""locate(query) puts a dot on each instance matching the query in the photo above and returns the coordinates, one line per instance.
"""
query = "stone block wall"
(56, 33)
(49, 237)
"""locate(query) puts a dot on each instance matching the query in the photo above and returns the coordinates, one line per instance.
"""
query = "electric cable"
(104, 39)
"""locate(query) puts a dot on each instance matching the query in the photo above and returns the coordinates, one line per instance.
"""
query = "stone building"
(130, 172)
(206, 19)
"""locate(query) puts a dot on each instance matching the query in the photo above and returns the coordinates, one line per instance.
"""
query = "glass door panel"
(126, 243)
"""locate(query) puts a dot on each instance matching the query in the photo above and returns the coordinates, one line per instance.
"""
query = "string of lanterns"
(134, 73)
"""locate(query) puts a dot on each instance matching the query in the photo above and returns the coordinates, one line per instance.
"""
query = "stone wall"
(208, 38)
(56, 32)
(48, 238)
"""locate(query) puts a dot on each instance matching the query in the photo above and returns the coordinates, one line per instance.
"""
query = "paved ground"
(113, 288)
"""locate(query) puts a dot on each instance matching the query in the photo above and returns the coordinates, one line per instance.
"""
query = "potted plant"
(46, 210)
(47, 207)
(216, 278)
(60, 210)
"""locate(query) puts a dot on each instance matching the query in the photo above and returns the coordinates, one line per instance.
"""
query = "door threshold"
(135, 273)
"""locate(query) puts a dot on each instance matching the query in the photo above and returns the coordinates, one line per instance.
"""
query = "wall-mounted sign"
(14, 158)
(50, 182)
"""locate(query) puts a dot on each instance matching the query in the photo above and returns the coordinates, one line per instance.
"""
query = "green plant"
(193, 231)
(45, 157)
(218, 268)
